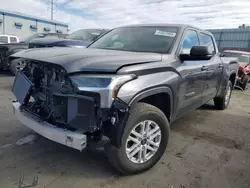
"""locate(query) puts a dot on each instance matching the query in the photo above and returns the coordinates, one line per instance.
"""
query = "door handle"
(204, 68)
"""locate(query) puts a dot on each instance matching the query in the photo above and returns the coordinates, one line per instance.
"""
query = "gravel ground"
(207, 148)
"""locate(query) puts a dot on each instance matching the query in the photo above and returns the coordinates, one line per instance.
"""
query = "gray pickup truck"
(128, 86)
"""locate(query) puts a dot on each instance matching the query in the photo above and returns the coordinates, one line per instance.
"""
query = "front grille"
(2, 54)
(3, 59)
(47, 80)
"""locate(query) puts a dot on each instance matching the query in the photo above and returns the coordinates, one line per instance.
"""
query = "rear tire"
(17, 65)
(120, 157)
(244, 82)
(222, 103)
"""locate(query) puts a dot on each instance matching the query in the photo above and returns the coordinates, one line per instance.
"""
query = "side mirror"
(198, 53)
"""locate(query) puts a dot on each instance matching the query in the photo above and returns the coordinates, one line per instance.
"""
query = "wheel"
(222, 102)
(244, 82)
(17, 65)
(144, 140)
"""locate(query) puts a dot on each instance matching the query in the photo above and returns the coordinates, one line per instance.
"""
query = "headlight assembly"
(106, 85)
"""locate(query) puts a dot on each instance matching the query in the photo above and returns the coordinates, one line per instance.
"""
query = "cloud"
(112, 13)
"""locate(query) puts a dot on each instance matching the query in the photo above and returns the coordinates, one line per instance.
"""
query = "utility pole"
(53, 4)
(52, 9)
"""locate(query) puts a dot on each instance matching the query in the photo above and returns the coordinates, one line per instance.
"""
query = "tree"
(244, 26)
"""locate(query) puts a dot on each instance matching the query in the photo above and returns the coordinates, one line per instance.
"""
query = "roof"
(87, 29)
(8, 36)
(237, 52)
(183, 26)
(180, 26)
(33, 18)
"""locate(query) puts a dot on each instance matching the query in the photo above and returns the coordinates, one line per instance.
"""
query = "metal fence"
(237, 39)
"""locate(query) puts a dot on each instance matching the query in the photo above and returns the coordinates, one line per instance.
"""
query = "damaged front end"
(4, 63)
(79, 104)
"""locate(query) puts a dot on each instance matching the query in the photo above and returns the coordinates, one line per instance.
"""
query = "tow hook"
(113, 120)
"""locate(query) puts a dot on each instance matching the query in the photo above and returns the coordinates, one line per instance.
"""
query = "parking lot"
(207, 148)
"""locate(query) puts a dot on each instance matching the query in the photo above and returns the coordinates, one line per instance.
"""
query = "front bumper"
(68, 138)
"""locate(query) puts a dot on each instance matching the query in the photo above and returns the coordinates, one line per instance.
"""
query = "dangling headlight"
(106, 85)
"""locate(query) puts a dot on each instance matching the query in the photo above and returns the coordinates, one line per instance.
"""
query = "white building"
(21, 25)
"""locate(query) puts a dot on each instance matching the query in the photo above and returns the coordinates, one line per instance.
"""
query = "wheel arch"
(114, 133)
(154, 96)
(232, 78)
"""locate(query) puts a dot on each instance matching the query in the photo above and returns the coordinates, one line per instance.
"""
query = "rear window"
(39, 35)
(13, 39)
(3, 39)
(85, 34)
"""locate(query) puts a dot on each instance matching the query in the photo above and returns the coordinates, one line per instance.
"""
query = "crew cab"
(6, 50)
(79, 39)
(128, 85)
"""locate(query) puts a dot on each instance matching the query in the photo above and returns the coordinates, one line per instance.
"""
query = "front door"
(193, 76)
(214, 68)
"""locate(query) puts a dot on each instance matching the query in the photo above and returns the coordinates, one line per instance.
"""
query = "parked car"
(6, 39)
(6, 50)
(244, 66)
(80, 38)
(128, 85)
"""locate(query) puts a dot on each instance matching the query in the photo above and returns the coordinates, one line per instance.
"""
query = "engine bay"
(46, 92)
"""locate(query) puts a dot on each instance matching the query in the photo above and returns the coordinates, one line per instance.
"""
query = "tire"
(16, 65)
(244, 82)
(118, 156)
(222, 103)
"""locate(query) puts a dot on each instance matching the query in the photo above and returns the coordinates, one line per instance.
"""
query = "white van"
(5, 39)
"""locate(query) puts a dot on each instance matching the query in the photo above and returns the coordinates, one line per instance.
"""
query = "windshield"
(31, 37)
(85, 34)
(138, 39)
(242, 58)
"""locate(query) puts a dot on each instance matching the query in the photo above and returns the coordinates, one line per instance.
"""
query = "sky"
(206, 14)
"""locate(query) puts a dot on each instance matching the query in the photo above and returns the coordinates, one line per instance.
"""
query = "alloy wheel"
(227, 96)
(143, 141)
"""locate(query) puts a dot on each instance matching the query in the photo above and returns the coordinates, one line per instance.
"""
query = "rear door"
(213, 68)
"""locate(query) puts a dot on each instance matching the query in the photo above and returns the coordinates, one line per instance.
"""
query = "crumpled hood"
(94, 60)
(58, 42)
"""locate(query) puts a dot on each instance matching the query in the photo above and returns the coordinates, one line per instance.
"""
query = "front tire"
(144, 140)
(244, 82)
(222, 103)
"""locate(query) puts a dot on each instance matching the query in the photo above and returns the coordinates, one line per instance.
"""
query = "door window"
(190, 40)
(207, 40)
